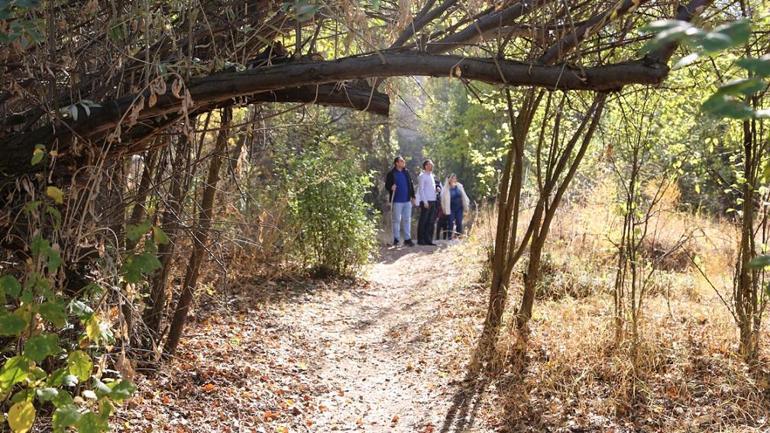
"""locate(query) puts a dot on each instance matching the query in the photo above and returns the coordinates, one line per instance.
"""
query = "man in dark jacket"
(399, 185)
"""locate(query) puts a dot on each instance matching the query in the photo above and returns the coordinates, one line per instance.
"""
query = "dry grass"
(576, 377)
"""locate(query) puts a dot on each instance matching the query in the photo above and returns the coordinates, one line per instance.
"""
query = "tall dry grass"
(577, 377)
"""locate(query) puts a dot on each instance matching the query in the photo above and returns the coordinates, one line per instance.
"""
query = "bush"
(335, 233)
(55, 346)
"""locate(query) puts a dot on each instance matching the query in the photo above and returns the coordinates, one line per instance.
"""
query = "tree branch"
(487, 23)
(597, 22)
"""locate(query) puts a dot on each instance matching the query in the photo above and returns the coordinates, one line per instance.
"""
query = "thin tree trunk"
(504, 257)
(745, 298)
(170, 224)
(200, 237)
(549, 210)
(138, 213)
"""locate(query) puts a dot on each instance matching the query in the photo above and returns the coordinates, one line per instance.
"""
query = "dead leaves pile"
(233, 374)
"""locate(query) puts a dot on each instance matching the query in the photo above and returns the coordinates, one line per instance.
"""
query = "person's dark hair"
(395, 161)
(424, 163)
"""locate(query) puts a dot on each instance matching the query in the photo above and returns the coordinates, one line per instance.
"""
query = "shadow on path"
(466, 401)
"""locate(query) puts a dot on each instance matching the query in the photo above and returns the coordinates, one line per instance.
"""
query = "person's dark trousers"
(425, 225)
(456, 219)
(443, 227)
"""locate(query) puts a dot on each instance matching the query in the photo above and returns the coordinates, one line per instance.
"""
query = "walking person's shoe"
(409, 243)
(395, 242)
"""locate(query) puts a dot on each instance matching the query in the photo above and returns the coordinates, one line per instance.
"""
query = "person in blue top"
(455, 202)
(400, 189)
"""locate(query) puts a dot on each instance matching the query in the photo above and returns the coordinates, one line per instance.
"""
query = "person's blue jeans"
(402, 212)
(456, 221)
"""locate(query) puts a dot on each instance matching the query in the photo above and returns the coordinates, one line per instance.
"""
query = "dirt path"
(384, 354)
(390, 350)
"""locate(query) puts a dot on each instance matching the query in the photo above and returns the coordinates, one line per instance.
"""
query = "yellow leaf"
(93, 331)
(55, 193)
(21, 417)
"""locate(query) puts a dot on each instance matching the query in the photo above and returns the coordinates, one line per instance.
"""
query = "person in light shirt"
(454, 201)
(426, 198)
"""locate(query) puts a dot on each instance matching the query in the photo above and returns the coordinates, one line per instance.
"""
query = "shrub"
(335, 233)
(55, 346)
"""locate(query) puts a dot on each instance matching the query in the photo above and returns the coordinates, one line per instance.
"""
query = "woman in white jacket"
(454, 202)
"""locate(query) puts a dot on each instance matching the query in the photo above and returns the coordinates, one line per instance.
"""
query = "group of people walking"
(444, 204)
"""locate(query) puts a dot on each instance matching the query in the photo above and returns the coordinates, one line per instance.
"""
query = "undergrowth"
(575, 375)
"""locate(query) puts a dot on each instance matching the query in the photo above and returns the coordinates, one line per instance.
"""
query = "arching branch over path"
(130, 108)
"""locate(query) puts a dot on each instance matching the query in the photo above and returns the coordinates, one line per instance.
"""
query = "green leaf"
(65, 416)
(39, 246)
(41, 346)
(53, 312)
(54, 260)
(55, 193)
(69, 380)
(11, 324)
(23, 395)
(135, 232)
(27, 297)
(121, 390)
(37, 373)
(90, 422)
(738, 32)
(715, 42)
(21, 416)
(79, 364)
(80, 309)
(760, 66)
(138, 265)
(686, 61)
(760, 261)
(100, 388)
(10, 286)
(721, 105)
(159, 236)
(38, 154)
(56, 378)
(105, 408)
(55, 215)
(63, 398)
(744, 86)
(672, 34)
(46, 394)
(14, 370)
(660, 25)
(31, 206)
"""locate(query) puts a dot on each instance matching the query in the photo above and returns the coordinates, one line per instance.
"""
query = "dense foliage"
(335, 233)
